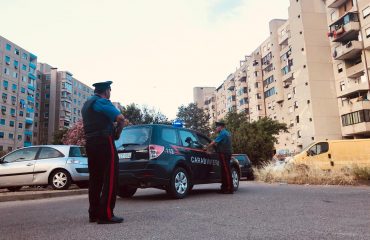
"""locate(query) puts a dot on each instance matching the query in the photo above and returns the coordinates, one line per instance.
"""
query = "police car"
(167, 157)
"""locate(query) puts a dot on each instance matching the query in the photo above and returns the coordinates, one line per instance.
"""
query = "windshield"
(134, 136)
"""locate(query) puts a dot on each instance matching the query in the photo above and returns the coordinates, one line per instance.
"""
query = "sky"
(154, 51)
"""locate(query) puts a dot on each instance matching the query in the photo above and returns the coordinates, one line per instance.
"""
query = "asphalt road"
(256, 211)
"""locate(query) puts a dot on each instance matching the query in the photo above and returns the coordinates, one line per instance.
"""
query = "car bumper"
(79, 172)
(142, 179)
(246, 172)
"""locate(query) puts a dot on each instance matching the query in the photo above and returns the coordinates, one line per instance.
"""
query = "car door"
(47, 160)
(195, 155)
(317, 156)
(214, 170)
(17, 168)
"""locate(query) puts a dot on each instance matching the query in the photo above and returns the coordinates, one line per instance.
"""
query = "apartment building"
(17, 89)
(62, 97)
(289, 78)
(349, 36)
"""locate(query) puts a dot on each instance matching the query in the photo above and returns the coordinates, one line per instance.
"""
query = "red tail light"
(155, 151)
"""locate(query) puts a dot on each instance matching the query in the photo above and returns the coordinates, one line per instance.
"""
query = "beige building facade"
(62, 97)
(18, 91)
(349, 36)
(290, 78)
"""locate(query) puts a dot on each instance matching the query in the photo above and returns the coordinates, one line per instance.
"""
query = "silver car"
(55, 165)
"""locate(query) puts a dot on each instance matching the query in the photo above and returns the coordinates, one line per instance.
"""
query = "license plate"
(124, 155)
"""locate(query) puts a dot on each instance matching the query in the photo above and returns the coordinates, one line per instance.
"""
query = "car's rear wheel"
(235, 177)
(180, 184)
(60, 179)
(126, 191)
(14, 189)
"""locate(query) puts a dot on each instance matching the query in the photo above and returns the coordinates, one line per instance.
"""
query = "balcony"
(284, 37)
(359, 88)
(349, 51)
(336, 3)
(345, 28)
(30, 75)
(27, 144)
(355, 105)
(355, 129)
(31, 87)
(356, 70)
(33, 57)
(289, 77)
(29, 121)
(31, 99)
(28, 133)
(32, 65)
(30, 110)
(230, 85)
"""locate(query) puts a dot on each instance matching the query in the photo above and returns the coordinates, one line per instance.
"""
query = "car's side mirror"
(308, 153)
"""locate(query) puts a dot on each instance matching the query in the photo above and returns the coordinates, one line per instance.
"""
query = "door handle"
(29, 164)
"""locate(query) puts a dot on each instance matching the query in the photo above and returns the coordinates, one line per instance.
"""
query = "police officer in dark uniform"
(99, 115)
(224, 150)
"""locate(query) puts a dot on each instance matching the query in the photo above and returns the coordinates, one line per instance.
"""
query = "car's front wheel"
(126, 191)
(235, 177)
(60, 179)
(180, 184)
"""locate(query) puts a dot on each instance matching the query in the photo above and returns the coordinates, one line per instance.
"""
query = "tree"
(58, 136)
(75, 135)
(257, 138)
(194, 118)
(143, 115)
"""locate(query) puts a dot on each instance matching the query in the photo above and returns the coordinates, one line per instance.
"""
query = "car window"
(240, 157)
(203, 140)
(134, 136)
(169, 135)
(77, 152)
(25, 154)
(48, 152)
(319, 148)
(188, 139)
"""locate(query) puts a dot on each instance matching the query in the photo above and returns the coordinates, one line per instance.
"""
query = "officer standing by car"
(99, 115)
(224, 149)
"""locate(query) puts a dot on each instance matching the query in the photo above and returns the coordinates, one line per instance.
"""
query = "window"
(47, 152)
(7, 60)
(1, 134)
(203, 140)
(8, 47)
(169, 135)
(135, 136)
(19, 137)
(188, 139)
(269, 92)
(16, 51)
(15, 75)
(16, 64)
(318, 148)
(2, 121)
(24, 68)
(24, 56)
(20, 125)
(367, 32)
(77, 152)
(21, 113)
(340, 67)
(26, 154)
(11, 136)
(366, 12)
(6, 71)
(14, 87)
(334, 16)
(11, 123)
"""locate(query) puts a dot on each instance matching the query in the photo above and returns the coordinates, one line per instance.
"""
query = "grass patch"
(302, 174)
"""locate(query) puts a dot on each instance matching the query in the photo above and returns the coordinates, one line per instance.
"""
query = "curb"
(22, 196)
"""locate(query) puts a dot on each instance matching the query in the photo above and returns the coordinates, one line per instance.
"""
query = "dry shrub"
(302, 174)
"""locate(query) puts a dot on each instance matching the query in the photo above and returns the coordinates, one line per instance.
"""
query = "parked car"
(58, 166)
(168, 158)
(245, 166)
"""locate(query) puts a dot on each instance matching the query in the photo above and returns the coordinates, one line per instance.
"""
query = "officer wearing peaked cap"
(224, 150)
(99, 116)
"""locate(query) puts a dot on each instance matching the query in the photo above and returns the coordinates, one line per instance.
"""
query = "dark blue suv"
(168, 158)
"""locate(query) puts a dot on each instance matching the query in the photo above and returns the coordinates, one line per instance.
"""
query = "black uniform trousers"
(103, 176)
(227, 181)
